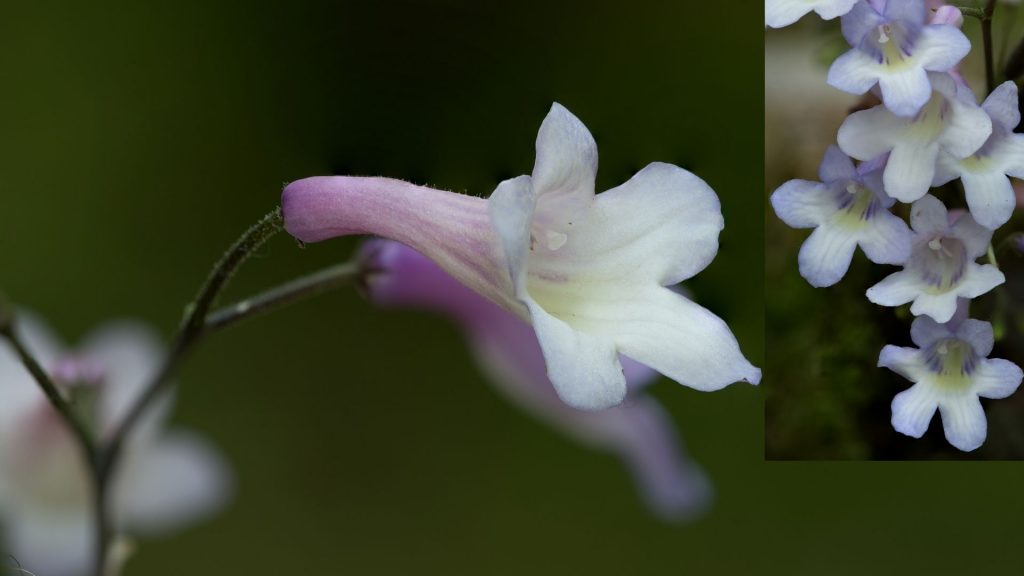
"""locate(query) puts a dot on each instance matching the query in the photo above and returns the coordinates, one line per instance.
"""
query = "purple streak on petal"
(508, 352)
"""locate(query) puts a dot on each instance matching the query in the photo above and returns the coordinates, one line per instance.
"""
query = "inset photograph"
(894, 264)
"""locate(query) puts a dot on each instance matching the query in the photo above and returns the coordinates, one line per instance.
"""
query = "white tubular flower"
(846, 209)
(165, 481)
(591, 273)
(985, 173)
(942, 266)
(950, 371)
(951, 122)
(895, 49)
(781, 13)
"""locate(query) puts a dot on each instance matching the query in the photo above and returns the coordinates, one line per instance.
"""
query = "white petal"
(996, 378)
(969, 126)
(565, 168)
(978, 334)
(906, 362)
(836, 166)
(803, 204)
(906, 91)
(829, 9)
(925, 331)
(130, 354)
(910, 170)
(963, 420)
(979, 279)
(940, 307)
(661, 226)
(782, 13)
(175, 481)
(584, 368)
(990, 197)
(868, 134)
(50, 541)
(1003, 106)
(929, 216)
(511, 207)
(854, 72)
(895, 289)
(825, 256)
(947, 169)
(1014, 150)
(673, 335)
(940, 48)
(974, 236)
(912, 410)
(886, 240)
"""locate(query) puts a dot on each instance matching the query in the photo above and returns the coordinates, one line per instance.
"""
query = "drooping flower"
(896, 49)
(781, 13)
(942, 265)
(165, 480)
(985, 174)
(847, 208)
(951, 123)
(590, 273)
(950, 369)
(638, 431)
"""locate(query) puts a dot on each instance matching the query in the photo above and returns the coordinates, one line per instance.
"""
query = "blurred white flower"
(164, 481)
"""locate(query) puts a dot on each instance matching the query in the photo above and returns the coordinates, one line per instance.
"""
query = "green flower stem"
(190, 332)
(306, 287)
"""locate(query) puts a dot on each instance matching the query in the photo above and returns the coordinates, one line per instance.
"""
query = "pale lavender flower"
(780, 13)
(942, 265)
(165, 481)
(638, 431)
(847, 208)
(895, 48)
(950, 123)
(985, 174)
(950, 369)
(590, 273)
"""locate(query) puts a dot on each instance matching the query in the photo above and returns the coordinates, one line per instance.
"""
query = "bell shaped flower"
(165, 480)
(638, 431)
(985, 174)
(950, 369)
(781, 13)
(896, 48)
(591, 273)
(950, 123)
(847, 208)
(942, 265)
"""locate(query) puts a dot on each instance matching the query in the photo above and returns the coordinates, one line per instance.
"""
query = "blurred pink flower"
(638, 430)
(164, 481)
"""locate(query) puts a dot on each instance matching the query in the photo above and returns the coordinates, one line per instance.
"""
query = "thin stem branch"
(53, 394)
(190, 332)
(306, 287)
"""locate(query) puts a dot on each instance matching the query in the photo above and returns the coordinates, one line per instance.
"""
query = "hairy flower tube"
(985, 174)
(165, 481)
(950, 369)
(591, 273)
(846, 209)
(942, 265)
(780, 13)
(638, 431)
(896, 49)
(950, 123)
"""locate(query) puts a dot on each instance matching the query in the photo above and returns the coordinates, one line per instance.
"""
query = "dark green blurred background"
(825, 396)
(140, 139)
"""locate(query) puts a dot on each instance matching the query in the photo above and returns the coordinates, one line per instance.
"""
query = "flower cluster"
(926, 131)
(167, 480)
